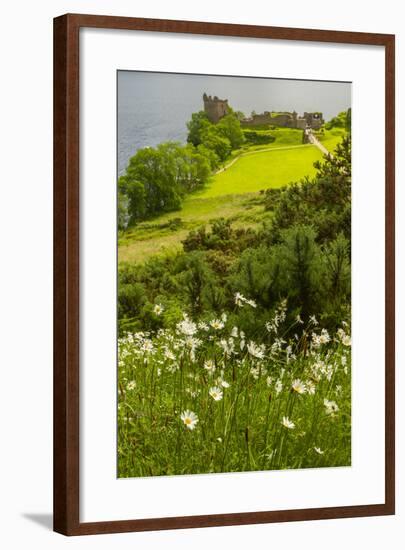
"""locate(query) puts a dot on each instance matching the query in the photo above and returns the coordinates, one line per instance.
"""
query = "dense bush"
(258, 138)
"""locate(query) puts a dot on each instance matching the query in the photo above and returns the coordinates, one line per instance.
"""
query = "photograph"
(233, 274)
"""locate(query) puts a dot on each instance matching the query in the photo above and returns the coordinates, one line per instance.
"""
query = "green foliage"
(202, 131)
(229, 127)
(212, 138)
(298, 256)
(157, 179)
(219, 138)
(258, 138)
(342, 120)
(210, 155)
(122, 214)
(348, 126)
(196, 126)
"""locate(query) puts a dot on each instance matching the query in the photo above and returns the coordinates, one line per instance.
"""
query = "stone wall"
(217, 108)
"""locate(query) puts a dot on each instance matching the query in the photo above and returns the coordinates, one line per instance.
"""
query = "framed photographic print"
(223, 274)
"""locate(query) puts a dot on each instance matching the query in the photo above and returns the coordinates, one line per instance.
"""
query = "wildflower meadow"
(202, 398)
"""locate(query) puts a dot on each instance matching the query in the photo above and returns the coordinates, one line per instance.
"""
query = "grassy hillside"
(258, 170)
(330, 138)
(165, 233)
(233, 193)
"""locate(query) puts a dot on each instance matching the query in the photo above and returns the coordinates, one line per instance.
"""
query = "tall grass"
(202, 397)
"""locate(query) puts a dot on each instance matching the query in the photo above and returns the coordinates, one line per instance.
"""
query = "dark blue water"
(155, 107)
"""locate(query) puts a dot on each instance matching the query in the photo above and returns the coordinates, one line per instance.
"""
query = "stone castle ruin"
(217, 108)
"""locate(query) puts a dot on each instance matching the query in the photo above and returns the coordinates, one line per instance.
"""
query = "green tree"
(196, 126)
(156, 179)
(132, 197)
(156, 170)
(339, 121)
(229, 127)
(194, 168)
(123, 211)
(298, 255)
(195, 278)
(212, 138)
(256, 275)
(209, 155)
(336, 272)
(349, 120)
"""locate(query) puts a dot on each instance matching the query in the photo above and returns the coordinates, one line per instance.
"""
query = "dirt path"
(259, 151)
(315, 141)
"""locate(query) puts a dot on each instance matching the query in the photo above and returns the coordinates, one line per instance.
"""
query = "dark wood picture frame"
(67, 284)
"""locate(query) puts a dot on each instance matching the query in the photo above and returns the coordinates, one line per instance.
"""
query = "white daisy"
(209, 365)
(330, 406)
(239, 299)
(158, 309)
(287, 423)
(324, 337)
(216, 324)
(255, 372)
(346, 340)
(216, 393)
(147, 346)
(189, 419)
(255, 350)
(318, 450)
(186, 326)
(169, 355)
(298, 386)
(311, 388)
(131, 385)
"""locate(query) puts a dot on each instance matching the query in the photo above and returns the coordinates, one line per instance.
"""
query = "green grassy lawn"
(331, 138)
(262, 170)
(157, 237)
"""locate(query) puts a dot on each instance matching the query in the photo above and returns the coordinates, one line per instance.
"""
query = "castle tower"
(215, 108)
(314, 120)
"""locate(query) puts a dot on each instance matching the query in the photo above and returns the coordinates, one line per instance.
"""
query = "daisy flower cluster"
(210, 380)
